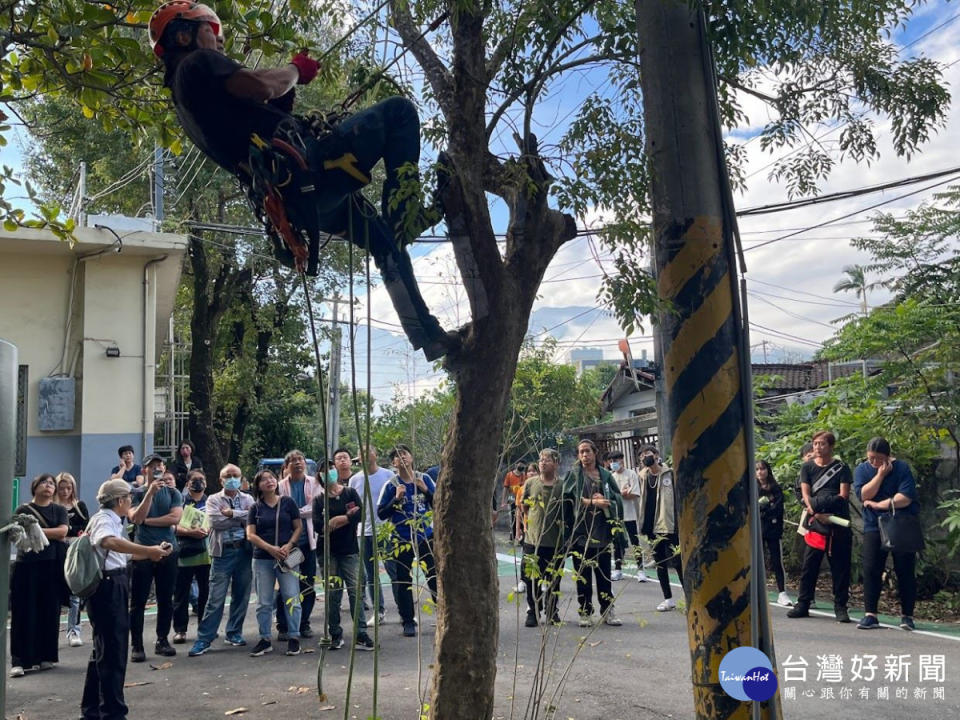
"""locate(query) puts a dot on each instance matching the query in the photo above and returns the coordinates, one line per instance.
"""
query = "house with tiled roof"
(631, 397)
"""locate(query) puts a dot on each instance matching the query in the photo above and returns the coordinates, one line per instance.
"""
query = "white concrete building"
(88, 322)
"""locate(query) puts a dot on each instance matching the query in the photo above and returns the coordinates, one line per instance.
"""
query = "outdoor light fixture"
(113, 351)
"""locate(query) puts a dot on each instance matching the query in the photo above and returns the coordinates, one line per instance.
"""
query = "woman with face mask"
(194, 561)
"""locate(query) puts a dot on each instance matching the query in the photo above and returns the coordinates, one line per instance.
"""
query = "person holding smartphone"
(155, 513)
(339, 523)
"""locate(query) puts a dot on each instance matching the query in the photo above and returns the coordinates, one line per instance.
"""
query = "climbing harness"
(302, 171)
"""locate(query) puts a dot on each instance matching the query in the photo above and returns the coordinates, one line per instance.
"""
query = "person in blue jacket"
(883, 484)
(407, 503)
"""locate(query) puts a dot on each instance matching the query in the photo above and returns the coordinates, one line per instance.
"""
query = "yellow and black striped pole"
(707, 400)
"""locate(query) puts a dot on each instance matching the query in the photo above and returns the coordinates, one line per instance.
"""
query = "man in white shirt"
(629, 484)
(378, 477)
(109, 606)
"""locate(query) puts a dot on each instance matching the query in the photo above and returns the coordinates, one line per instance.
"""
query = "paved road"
(635, 672)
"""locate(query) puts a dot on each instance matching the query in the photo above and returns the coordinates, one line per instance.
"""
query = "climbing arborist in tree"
(301, 175)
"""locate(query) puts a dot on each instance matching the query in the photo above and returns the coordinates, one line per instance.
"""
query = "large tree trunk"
(211, 296)
(468, 623)
(203, 334)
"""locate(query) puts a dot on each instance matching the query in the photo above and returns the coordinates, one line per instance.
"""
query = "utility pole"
(8, 445)
(81, 195)
(664, 439)
(333, 402)
(705, 362)
(157, 187)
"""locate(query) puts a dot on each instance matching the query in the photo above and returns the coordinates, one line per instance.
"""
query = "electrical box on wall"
(57, 402)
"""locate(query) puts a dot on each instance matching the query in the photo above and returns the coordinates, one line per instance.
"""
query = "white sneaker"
(74, 639)
(616, 575)
(642, 576)
(371, 621)
(585, 621)
(16, 671)
(522, 587)
(668, 604)
(612, 619)
(784, 599)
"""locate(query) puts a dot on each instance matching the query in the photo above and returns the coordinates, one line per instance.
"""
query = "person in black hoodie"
(825, 483)
(770, 496)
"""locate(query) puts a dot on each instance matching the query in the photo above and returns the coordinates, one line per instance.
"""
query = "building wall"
(631, 404)
(113, 395)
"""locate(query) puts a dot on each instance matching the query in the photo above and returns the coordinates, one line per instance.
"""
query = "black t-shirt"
(77, 518)
(827, 499)
(343, 541)
(219, 123)
(54, 515)
(264, 518)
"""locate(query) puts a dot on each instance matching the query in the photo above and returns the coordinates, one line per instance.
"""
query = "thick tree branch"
(537, 82)
(436, 72)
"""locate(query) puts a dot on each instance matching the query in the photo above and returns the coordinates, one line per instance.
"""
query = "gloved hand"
(306, 66)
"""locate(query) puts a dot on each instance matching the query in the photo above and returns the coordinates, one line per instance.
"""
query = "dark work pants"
(666, 556)
(588, 563)
(403, 584)
(874, 561)
(109, 615)
(542, 571)
(164, 575)
(620, 547)
(308, 578)
(839, 547)
(389, 130)
(181, 594)
(775, 555)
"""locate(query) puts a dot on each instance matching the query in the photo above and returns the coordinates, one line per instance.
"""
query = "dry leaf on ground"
(236, 711)
(134, 684)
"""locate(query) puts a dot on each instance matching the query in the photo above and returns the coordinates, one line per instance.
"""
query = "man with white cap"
(109, 607)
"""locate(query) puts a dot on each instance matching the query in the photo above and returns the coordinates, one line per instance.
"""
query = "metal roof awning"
(639, 422)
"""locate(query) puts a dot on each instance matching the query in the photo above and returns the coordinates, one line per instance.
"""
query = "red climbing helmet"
(179, 10)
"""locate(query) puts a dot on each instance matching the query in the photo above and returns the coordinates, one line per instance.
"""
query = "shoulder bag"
(901, 533)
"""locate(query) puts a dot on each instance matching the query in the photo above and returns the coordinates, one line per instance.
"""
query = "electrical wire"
(851, 214)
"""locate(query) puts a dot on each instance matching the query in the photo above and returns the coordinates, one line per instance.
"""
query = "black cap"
(150, 458)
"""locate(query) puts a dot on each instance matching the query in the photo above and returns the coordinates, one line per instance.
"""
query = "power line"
(851, 214)
(786, 336)
(844, 194)
(788, 312)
